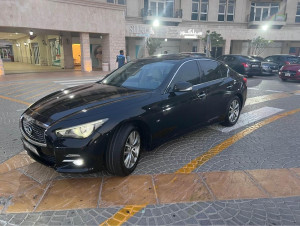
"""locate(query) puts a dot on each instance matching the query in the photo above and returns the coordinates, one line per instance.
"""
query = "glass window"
(226, 10)
(223, 71)
(199, 10)
(263, 11)
(120, 2)
(140, 75)
(210, 69)
(188, 72)
(297, 20)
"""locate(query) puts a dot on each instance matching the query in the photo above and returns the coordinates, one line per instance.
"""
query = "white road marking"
(275, 91)
(21, 109)
(71, 83)
(248, 117)
(267, 90)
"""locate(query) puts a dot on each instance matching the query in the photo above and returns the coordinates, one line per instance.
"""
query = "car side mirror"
(182, 87)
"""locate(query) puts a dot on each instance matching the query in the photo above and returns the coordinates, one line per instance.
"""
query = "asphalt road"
(271, 146)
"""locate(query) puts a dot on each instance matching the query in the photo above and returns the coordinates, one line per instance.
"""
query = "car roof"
(178, 57)
(288, 55)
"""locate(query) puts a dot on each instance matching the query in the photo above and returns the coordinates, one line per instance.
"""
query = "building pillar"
(227, 46)
(111, 45)
(1, 67)
(86, 61)
(66, 60)
(43, 45)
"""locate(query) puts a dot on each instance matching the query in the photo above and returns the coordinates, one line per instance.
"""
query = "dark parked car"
(242, 64)
(290, 72)
(267, 68)
(283, 59)
(138, 106)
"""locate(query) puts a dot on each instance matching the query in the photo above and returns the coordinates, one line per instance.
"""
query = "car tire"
(233, 112)
(123, 153)
(283, 79)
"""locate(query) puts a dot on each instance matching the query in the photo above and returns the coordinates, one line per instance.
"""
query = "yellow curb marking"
(115, 219)
(15, 100)
(34, 90)
(123, 215)
(188, 168)
(47, 91)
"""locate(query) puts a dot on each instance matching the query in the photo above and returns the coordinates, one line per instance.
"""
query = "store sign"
(191, 33)
(141, 31)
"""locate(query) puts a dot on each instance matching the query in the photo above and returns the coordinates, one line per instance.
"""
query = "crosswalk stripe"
(260, 99)
(248, 117)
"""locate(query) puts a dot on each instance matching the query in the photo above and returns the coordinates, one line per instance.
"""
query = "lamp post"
(208, 43)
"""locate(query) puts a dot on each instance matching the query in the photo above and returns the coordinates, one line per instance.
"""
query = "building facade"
(90, 33)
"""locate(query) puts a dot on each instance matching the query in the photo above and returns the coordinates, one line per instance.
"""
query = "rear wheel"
(124, 151)
(233, 112)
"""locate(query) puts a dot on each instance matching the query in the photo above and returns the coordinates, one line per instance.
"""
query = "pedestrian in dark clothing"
(121, 59)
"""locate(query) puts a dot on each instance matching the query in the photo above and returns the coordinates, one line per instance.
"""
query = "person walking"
(121, 59)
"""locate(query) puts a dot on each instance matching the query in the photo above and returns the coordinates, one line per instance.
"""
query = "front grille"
(48, 158)
(33, 131)
(274, 67)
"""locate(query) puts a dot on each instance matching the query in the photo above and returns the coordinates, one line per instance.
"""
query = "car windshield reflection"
(140, 75)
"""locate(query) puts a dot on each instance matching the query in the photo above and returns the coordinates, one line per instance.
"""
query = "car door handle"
(229, 87)
(202, 95)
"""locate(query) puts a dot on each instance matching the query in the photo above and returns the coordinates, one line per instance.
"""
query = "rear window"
(247, 58)
(294, 60)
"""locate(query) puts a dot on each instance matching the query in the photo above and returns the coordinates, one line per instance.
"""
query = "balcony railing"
(149, 13)
(276, 17)
(276, 21)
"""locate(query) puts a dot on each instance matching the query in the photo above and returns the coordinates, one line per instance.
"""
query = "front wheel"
(124, 151)
(233, 112)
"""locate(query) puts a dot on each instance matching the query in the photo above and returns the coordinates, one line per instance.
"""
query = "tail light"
(245, 64)
(245, 80)
(287, 62)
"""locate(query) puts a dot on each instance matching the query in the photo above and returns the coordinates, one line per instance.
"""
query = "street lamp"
(156, 23)
(30, 32)
(265, 27)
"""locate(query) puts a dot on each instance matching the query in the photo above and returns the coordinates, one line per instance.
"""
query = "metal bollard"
(1, 67)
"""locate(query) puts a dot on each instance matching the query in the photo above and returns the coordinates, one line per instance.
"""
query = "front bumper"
(62, 158)
(269, 72)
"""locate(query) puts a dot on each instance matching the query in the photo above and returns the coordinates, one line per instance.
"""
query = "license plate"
(287, 74)
(274, 70)
(254, 65)
(31, 148)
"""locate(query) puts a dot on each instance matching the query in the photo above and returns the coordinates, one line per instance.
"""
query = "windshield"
(140, 75)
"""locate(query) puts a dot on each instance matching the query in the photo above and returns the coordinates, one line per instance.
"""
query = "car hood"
(70, 101)
(292, 67)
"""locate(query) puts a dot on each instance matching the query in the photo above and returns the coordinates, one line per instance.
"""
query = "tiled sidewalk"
(27, 186)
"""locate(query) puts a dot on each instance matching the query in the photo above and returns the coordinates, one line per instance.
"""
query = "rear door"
(217, 85)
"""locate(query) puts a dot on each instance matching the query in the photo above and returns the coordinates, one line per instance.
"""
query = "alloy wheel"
(234, 111)
(132, 149)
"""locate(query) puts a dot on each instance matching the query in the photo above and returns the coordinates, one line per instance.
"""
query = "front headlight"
(80, 131)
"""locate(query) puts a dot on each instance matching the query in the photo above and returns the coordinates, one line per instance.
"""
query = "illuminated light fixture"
(18, 44)
(265, 27)
(156, 23)
(190, 36)
(71, 96)
(25, 44)
(30, 32)
(16, 33)
(166, 39)
(78, 162)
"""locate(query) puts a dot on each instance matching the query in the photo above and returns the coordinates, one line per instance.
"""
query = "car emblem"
(28, 130)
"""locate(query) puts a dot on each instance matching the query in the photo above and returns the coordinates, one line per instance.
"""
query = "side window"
(210, 70)
(269, 59)
(223, 71)
(188, 72)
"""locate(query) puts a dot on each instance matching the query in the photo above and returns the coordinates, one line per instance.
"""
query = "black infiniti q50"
(137, 107)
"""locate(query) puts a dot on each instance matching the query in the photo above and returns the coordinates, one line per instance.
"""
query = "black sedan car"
(136, 107)
(283, 59)
(267, 67)
(242, 64)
